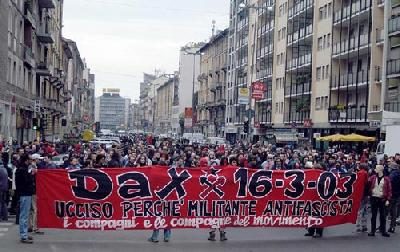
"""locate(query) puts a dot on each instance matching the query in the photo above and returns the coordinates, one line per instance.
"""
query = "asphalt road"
(340, 238)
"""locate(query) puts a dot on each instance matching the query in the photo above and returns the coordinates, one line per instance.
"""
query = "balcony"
(350, 80)
(353, 10)
(47, 4)
(28, 57)
(29, 16)
(42, 69)
(393, 68)
(394, 26)
(265, 51)
(264, 73)
(392, 106)
(44, 35)
(300, 62)
(348, 114)
(300, 7)
(300, 90)
(380, 3)
(380, 36)
(353, 45)
(264, 29)
(297, 117)
(303, 33)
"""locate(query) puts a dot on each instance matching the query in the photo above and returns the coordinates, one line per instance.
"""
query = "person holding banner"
(25, 189)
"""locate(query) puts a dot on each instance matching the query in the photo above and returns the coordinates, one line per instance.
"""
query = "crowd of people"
(19, 165)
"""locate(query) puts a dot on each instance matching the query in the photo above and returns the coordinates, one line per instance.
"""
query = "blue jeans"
(25, 203)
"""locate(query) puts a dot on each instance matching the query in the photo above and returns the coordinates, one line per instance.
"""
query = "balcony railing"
(300, 7)
(392, 106)
(350, 45)
(298, 90)
(299, 62)
(266, 28)
(394, 24)
(47, 4)
(264, 73)
(28, 56)
(296, 116)
(350, 79)
(354, 9)
(348, 114)
(300, 34)
(44, 34)
(265, 51)
(393, 67)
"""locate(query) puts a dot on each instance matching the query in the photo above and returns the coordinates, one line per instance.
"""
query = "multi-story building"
(143, 102)
(134, 120)
(189, 69)
(34, 68)
(5, 102)
(212, 90)
(113, 110)
(164, 103)
(326, 66)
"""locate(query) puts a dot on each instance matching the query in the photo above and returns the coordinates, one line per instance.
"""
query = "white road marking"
(1, 234)
(5, 224)
(3, 229)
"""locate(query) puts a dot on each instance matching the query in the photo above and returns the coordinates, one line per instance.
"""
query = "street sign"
(258, 89)
(243, 98)
(375, 124)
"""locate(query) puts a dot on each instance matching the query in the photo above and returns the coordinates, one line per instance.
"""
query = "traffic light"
(98, 127)
(246, 127)
(43, 123)
(35, 125)
(63, 122)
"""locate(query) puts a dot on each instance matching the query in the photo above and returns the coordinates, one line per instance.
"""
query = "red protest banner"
(159, 197)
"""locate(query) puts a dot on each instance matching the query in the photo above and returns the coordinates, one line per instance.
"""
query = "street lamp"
(194, 54)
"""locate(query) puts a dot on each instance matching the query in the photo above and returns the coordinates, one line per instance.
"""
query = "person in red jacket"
(380, 191)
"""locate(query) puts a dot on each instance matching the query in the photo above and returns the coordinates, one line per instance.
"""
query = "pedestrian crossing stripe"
(1, 234)
(3, 229)
(5, 224)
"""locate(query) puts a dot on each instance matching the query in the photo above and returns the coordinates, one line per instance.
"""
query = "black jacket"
(395, 179)
(24, 181)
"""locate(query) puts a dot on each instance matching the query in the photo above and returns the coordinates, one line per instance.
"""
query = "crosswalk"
(5, 226)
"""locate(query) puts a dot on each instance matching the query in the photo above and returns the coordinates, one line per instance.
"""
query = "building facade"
(326, 66)
(113, 110)
(212, 89)
(164, 104)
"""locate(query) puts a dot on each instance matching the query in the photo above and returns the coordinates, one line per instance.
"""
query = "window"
(279, 35)
(323, 72)
(328, 40)
(324, 46)
(318, 73)
(327, 72)
(319, 43)
(276, 108)
(329, 9)
(326, 102)
(281, 107)
(318, 103)
(321, 13)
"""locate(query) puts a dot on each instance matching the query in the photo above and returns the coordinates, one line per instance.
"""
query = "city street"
(251, 239)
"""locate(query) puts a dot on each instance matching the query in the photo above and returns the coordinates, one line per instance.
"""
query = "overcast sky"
(121, 39)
